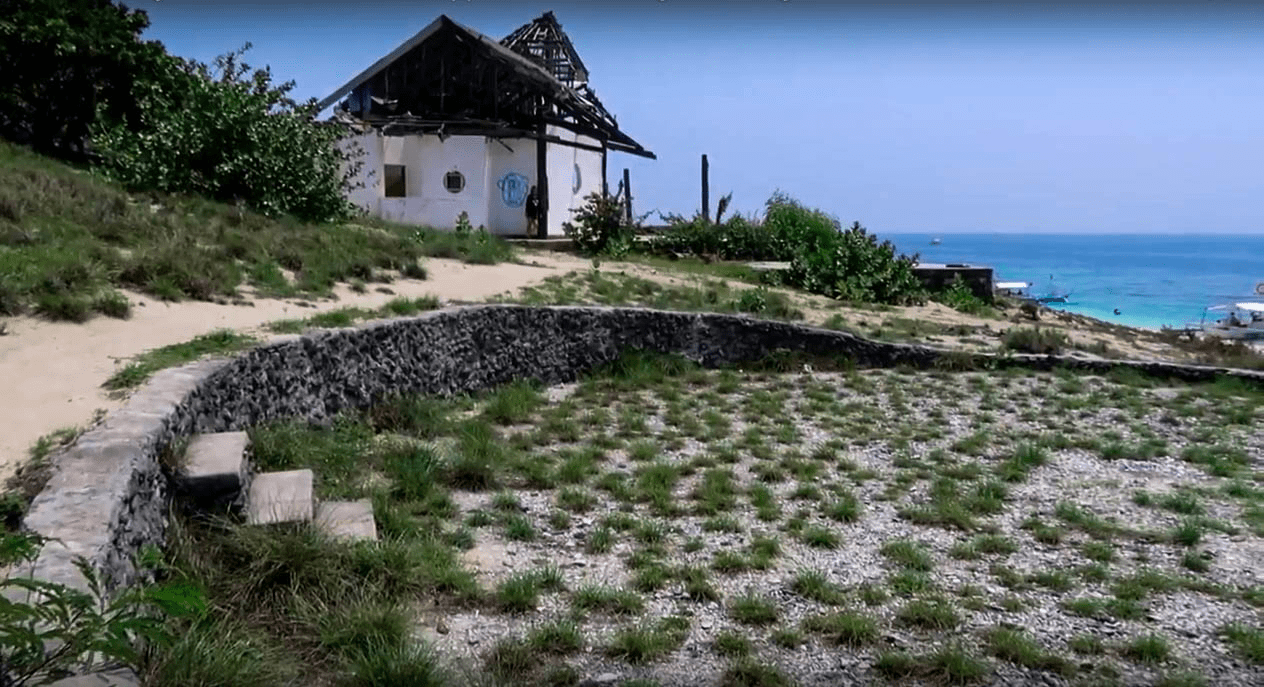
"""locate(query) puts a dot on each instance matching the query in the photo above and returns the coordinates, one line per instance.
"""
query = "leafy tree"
(63, 64)
(231, 135)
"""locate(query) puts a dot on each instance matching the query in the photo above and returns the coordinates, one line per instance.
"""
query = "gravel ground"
(888, 437)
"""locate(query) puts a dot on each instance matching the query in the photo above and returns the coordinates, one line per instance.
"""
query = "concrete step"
(348, 520)
(280, 497)
(216, 471)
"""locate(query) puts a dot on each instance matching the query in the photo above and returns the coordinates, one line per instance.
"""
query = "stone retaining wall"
(108, 496)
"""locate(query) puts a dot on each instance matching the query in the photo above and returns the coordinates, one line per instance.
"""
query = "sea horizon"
(1152, 280)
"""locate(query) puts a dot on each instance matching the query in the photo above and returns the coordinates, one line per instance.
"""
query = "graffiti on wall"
(513, 189)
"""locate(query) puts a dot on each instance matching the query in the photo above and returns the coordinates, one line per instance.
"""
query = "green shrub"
(230, 137)
(600, 227)
(824, 259)
(1035, 340)
(59, 630)
(959, 297)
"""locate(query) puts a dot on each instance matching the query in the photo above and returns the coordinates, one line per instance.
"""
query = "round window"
(454, 181)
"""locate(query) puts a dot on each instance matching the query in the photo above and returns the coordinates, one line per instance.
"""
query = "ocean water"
(1152, 280)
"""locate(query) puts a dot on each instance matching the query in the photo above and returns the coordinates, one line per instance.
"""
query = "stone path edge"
(108, 496)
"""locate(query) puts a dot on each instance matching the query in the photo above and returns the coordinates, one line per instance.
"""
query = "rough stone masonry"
(108, 496)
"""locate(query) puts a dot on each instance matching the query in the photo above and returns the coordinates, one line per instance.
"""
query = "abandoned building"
(452, 121)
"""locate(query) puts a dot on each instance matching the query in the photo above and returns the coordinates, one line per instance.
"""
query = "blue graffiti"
(513, 189)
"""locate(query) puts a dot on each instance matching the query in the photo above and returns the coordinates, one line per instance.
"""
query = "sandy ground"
(53, 371)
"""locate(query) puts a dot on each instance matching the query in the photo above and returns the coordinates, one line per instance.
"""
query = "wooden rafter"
(451, 74)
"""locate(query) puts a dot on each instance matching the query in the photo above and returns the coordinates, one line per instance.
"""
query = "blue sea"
(1152, 280)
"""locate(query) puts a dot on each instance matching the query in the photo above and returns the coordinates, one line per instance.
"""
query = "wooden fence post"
(706, 190)
(627, 195)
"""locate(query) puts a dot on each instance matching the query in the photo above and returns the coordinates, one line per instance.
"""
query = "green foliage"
(229, 136)
(59, 630)
(824, 259)
(64, 63)
(1035, 340)
(600, 227)
(959, 297)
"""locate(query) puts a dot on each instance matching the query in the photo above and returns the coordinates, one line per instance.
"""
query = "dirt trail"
(53, 371)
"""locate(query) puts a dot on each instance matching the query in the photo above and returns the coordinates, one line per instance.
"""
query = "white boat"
(936, 241)
(1013, 289)
(1243, 321)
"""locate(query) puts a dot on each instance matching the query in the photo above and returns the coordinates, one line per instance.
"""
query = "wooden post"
(627, 196)
(706, 191)
(542, 180)
(605, 187)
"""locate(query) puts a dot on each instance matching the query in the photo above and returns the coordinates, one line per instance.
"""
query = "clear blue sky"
(907, 117)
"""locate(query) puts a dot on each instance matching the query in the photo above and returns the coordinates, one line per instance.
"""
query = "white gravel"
(951, 406)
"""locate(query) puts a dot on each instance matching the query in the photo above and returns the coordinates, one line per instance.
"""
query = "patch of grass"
(1086, 644)
(843, 628)
(753, 609)
(731, 644)
(747, 672)
(928, 614)
(846, 507)
(1100, 551)
(520, 593)
(1018, 647)
(951, 665)
(1148, 648)
(1025, 458)
(787, 638)
(513, 403)
(820, 537)
(1246, 640)
(815, 586)
(697, 585)
(219, 342)
(912, 555)
(603, 599)
(647, 642)
(1181, 678)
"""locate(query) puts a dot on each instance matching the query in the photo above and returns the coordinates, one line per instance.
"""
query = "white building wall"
(589, 163)
(368, 196)
(511, 172)
(427, 160)
(496, 180)
(560, 162)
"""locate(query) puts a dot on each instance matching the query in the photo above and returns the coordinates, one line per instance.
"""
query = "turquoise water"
(1152, 280)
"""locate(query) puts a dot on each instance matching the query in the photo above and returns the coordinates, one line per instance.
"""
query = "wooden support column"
(542, 179)
(605, 186)
(627, 196)
(706, 191)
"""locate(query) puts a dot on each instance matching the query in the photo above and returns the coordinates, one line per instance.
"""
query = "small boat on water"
(936, 241)
(1242, 321)
(1013, 289)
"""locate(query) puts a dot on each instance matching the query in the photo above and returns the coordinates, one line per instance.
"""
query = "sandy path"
(53, 371)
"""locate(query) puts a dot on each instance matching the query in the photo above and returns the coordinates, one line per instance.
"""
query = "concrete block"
(280, 497)
(215, 469)
(351, 520)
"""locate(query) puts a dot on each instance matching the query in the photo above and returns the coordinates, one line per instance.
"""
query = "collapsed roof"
(451, 80)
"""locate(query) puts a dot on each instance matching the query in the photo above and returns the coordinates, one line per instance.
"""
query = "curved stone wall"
(108, 496)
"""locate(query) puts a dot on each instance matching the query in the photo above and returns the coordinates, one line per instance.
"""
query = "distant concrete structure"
(936, 276)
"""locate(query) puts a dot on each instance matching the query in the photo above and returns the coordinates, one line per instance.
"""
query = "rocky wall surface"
(109, 497)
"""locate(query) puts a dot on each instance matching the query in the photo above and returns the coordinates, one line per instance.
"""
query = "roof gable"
(544, 42)
(451, 78)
